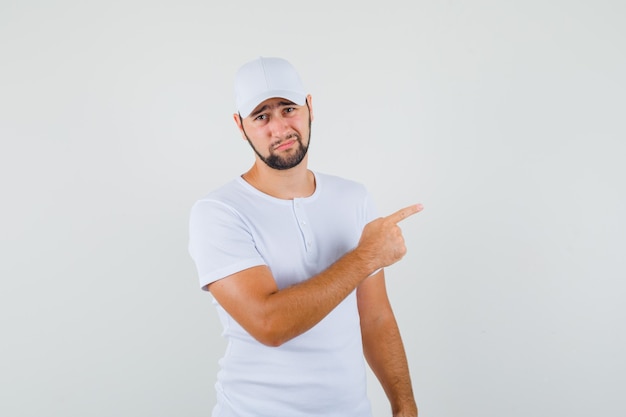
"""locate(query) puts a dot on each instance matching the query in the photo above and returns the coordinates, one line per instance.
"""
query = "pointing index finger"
(402, 214)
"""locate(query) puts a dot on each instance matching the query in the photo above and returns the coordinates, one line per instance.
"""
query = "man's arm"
(382, 345)
(274, 316)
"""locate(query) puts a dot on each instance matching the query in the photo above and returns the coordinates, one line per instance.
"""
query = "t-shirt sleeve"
(220, 243)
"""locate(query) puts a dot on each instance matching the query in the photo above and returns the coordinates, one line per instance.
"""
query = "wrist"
(407, 410)
(364, 261)
(412, 413)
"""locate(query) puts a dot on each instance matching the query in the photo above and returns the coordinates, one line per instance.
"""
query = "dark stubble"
(276, 161)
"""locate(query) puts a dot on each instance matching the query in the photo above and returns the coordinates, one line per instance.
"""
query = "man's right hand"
(382, 243)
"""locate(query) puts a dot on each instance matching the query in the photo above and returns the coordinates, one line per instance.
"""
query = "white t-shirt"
(321, 372)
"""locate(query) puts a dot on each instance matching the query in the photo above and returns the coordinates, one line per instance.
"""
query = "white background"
(504, 118)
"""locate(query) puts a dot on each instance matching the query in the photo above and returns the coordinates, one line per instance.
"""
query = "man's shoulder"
(223, 192)
(226, 197)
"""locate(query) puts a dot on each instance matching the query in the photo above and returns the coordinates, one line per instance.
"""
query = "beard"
(293, 159)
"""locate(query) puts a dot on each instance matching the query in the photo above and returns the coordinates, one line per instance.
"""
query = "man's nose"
(278, 126)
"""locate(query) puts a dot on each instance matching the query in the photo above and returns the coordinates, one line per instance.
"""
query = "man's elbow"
(270, 334)
(270, 342)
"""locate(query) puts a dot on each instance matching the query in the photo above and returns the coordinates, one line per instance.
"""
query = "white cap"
(264, 78)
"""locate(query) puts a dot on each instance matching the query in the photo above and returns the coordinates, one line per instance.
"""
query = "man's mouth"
(285, 144)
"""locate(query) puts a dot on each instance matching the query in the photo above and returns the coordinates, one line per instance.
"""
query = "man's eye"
(261, 117)
(289, 109)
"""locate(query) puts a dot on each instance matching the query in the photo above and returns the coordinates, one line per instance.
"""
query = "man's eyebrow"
(259, 110)
(265, 107)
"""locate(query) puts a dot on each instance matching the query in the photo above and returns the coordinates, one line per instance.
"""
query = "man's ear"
(239, 123)
(309, 103)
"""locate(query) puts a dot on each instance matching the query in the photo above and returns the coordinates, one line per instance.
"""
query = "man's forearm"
(294, 310)
(386, 356)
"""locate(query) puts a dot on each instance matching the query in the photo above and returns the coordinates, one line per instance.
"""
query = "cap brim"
(246, 108)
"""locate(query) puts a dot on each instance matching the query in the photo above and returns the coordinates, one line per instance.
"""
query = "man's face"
(279, 131)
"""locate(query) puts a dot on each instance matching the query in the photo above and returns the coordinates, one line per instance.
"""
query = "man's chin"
(283, 164)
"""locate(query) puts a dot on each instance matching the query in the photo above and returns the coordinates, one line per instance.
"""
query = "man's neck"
(296, 182)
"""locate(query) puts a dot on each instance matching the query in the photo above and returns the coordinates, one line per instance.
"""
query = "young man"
(294, 260)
